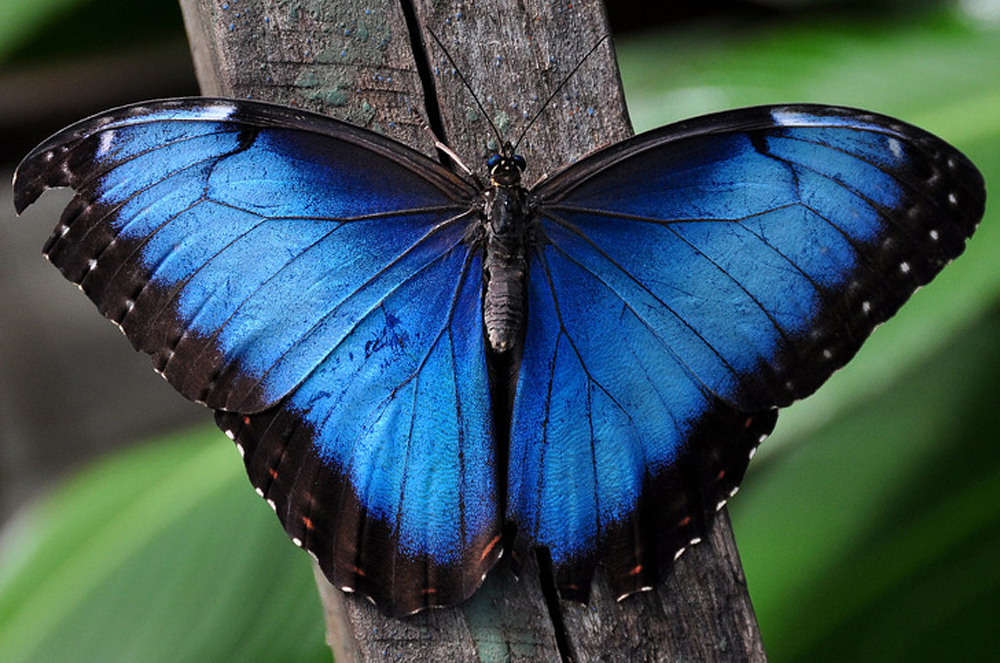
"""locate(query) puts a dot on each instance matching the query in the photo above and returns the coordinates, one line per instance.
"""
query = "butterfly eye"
(519, 162)
(493, 161)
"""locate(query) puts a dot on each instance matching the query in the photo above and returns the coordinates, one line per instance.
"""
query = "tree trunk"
(376, 65)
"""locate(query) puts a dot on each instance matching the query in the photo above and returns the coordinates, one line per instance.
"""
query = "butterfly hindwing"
(311, 281)
(690, 280)
(395, 495)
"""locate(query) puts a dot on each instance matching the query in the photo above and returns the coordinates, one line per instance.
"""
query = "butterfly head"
(506, 167)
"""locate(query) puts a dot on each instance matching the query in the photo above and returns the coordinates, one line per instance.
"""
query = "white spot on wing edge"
(220, 112)
(104, 144)
(896, 147)
(788, 117)
(622, 597)
(208, 113)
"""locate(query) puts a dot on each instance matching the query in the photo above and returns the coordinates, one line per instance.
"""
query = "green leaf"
(159, 553)
(877, 537)
(53, 28)
(20, 19)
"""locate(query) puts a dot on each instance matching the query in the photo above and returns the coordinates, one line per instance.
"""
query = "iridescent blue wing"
(687, 282)
(310, 281)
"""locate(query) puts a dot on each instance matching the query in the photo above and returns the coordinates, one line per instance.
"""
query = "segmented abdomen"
(503, 301)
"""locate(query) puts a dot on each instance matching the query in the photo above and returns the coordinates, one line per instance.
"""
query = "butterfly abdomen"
(505, 267)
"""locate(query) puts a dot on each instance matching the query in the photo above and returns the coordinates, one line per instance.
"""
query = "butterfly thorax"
(505, 267)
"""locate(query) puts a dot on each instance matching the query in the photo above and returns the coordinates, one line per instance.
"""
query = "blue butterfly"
(414, 363)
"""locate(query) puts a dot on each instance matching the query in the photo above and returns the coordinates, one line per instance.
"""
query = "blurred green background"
(869, 524)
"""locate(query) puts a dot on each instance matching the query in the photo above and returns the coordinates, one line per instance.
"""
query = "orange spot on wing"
(636, 570)
(489, 547)
(307, 521)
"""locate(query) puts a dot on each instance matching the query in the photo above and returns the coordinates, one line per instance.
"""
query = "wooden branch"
(349, 59)
(355, 60)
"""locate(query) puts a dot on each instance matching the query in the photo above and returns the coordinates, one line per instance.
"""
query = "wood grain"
(375, 64)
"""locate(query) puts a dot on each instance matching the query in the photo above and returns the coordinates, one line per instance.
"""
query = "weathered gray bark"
(356, 60)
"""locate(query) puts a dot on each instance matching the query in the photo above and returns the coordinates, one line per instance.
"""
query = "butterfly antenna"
(472, 92)
(439, 144)
(558, 89)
